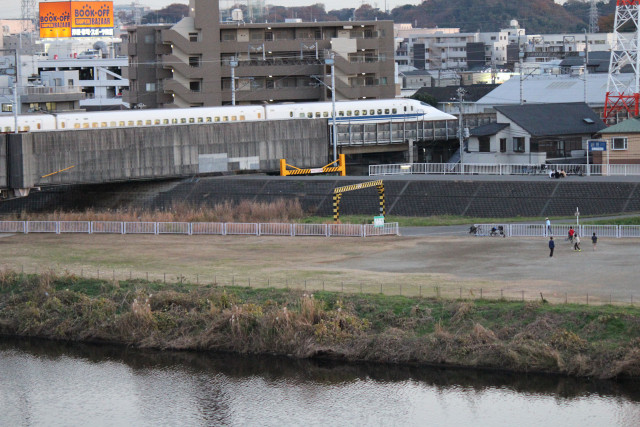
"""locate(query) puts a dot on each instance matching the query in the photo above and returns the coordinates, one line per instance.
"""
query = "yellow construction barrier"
(342, 168)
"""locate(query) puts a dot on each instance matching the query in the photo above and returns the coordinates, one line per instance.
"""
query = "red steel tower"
(623, 91)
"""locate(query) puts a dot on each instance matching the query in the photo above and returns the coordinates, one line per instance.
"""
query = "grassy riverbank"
(576, 340)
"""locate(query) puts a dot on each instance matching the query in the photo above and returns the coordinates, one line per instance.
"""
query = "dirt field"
(449, 266)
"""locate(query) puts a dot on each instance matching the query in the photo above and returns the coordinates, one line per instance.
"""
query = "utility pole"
(586, 63)
(15, 106)
(521, 61)
(332, 62)
(461, 92)
(593, 17)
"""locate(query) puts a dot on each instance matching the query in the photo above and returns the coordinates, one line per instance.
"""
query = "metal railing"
(560, 230)
(502, 169)
(200, 228)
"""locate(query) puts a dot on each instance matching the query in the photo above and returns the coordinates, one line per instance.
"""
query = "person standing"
(548, 224)
(552, 246)
(576, 243)
(594, 240)
(571, 233)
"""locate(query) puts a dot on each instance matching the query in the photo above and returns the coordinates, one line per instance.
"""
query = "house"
(534, 134)
(623, 143)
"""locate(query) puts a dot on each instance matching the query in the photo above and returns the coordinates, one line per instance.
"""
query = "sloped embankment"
(574, 340)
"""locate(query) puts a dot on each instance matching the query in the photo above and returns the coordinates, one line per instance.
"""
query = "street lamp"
(233, 63)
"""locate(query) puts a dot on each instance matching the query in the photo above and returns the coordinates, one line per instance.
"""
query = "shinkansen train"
(365, 111)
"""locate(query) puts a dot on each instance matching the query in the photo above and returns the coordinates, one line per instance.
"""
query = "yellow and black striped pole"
(337, 195)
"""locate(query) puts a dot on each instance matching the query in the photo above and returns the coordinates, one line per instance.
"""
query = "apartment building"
(194, 62)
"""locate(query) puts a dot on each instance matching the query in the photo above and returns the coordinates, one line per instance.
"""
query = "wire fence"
(561, 230)
(453, 291)
(200, 228)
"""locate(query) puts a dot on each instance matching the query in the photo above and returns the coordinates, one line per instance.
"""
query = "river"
(45, 383)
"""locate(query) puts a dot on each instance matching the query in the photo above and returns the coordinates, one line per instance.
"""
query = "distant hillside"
(537, 16)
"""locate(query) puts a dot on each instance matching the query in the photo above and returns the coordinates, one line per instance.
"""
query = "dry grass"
(246, 211)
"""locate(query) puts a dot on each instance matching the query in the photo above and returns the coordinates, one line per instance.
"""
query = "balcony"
(308, 93)
(173, 62)
(275, 68)
(171, 86)
(171, 37)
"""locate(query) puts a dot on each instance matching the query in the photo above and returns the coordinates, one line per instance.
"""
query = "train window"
(217, 119)
(225, 118)
(7, 129)
(174, 121)
(156, 122)
(26, 128)
(130, 123)
(76, 126)
(183, 120)
(62, 125)
(165, 121)
(38, 126)
(325, 114)
(356, 113)
(372, 112)
(192, 120)
(379, 111)
(348, 112)
(103, 124)
(290, 113)
(317, 113)
(94, 125)
(310, 115)
(209, 120)
(200, 120)
(386, 111)
(259, 115)
(121, 124)
(85, 125)
(405, 108)
(242, 118)
(147, 122)
(234, 118)
(364, 112)
(394, 111)
(412, 108)
(302, 115)
(112, 124)
(139, 123)
(341, 113)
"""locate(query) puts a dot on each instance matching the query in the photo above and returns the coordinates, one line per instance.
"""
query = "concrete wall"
(3, 161)
(111, 155)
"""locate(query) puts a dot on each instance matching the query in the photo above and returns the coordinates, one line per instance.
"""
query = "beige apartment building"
(191, 63)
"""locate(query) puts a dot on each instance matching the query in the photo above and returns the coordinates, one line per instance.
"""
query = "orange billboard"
(76, 19)
(55, 19)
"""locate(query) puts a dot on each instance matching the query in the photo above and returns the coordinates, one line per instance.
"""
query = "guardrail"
(200, 228)
(501, 169)
(559, 230)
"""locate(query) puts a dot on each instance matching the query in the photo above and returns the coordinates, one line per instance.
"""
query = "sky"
(11, 8)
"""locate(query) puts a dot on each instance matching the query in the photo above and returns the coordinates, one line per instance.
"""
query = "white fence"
(560, 230)
(200, 228)
(501, 169)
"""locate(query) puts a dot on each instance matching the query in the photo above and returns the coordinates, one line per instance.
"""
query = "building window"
(194, 61)
(150, 87)
(194, 86)
(503, 145)
(7, 108)
(193, 37)
(518, 144)
(619, 143)
(484, 144)
(149, 39)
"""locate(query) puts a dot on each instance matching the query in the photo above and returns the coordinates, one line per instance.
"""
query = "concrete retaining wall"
(489, 199)
(111, 155)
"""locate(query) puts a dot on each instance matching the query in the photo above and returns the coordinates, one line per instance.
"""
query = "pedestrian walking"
(576, 243)
(552, 246)
(594, 240)
(548, 223)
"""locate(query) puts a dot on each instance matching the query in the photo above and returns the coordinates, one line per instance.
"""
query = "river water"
(44, 383)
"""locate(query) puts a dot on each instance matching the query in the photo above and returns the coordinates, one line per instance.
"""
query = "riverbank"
(575, 340)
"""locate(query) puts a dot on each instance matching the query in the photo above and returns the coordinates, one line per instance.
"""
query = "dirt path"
(450, 266)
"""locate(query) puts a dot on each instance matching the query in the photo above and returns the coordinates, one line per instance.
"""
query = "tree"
(426, 98)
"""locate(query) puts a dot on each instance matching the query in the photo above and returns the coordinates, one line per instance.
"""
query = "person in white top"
(548, 223)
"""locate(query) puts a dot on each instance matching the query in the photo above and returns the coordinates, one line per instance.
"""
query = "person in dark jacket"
(552, 246)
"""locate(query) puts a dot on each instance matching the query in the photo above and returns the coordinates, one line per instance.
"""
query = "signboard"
(378, 221)
(76, 19)
(597, 145)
